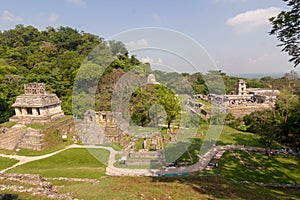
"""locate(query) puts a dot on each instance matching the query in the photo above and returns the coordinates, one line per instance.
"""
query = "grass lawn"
(77, 163)
(7, 162)
(277, 169)
(227, 136)
(7, 124)
(30, 152)
(175, 188)
(190, 187)
(41, 126)
(232, 136)
(115, 146)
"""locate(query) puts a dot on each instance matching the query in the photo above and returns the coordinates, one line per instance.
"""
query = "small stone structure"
(102, 127)
(36, 106)
(151, 80)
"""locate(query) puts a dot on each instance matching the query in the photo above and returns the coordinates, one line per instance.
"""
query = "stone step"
(10, 139)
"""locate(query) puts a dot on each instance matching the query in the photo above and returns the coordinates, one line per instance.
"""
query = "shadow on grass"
(276, 169)
(218, 188)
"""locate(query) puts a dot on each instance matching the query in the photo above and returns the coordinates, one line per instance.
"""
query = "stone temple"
(36, 106)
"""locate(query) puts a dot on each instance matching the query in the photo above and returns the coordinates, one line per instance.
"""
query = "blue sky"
(233, 32)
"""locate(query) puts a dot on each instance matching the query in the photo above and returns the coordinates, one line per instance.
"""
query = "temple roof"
(36, 97)
(36, 101)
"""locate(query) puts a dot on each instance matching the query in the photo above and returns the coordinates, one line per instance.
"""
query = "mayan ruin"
(36, 106)
(243, 100)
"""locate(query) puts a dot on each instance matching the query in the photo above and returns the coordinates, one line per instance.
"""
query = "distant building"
(151, 79)
(240, 88)
(36, 106)
(244, 100)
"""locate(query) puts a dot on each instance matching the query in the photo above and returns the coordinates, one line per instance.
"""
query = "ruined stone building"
(102, 127)
(244, 100)
(36, 106)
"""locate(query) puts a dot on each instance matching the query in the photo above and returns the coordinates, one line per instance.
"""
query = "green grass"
(139, 144)
(115, 146)
(8, 124)
(232, 136)
(47, 150)
(277, 169)
(176, 188)
(7, 162)
(77, 163)
(228, 136)
(41, 126)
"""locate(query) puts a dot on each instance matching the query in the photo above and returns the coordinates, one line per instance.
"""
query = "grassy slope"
(7, 162)
(77, 163)
(191, 187)
(277, 169)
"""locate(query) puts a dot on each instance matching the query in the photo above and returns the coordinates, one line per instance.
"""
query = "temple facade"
(36, 106)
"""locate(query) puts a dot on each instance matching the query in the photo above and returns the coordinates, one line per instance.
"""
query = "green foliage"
(144, 98)
(286, 28)
(139, 144)
(55, 57)
(264, 124)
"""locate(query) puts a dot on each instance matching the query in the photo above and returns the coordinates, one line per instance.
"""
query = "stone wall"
(240, 111)
(35, 184)
(34, 138)
(141, 162)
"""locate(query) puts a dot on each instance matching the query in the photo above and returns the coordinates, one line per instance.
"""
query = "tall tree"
(153, 95)
(264, 124)
(286, 26)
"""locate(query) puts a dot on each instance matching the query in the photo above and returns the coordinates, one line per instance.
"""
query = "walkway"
(111, 170)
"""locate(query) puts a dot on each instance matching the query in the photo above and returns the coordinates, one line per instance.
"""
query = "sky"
(230, 35)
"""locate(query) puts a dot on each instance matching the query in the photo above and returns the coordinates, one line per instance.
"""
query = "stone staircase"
(91, 134)
(11, 138)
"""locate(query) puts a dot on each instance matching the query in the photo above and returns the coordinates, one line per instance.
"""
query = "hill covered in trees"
(55, 55)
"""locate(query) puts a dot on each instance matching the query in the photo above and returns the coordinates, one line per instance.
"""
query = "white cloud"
(249, 20)
(152, 60)
(78, 2)
(160, 60)
(9, 17)
(53, 17)
(136, 44)
(147, 60)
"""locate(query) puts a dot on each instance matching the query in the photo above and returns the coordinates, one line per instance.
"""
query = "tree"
(150, 96)
(264, 124)
(284, 105)
(286, 26)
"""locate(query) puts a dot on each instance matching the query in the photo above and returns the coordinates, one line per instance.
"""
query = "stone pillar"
(24, 111)
(18, 111)
(35, 112)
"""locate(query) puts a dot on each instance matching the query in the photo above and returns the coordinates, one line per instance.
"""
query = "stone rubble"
(43, 188)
